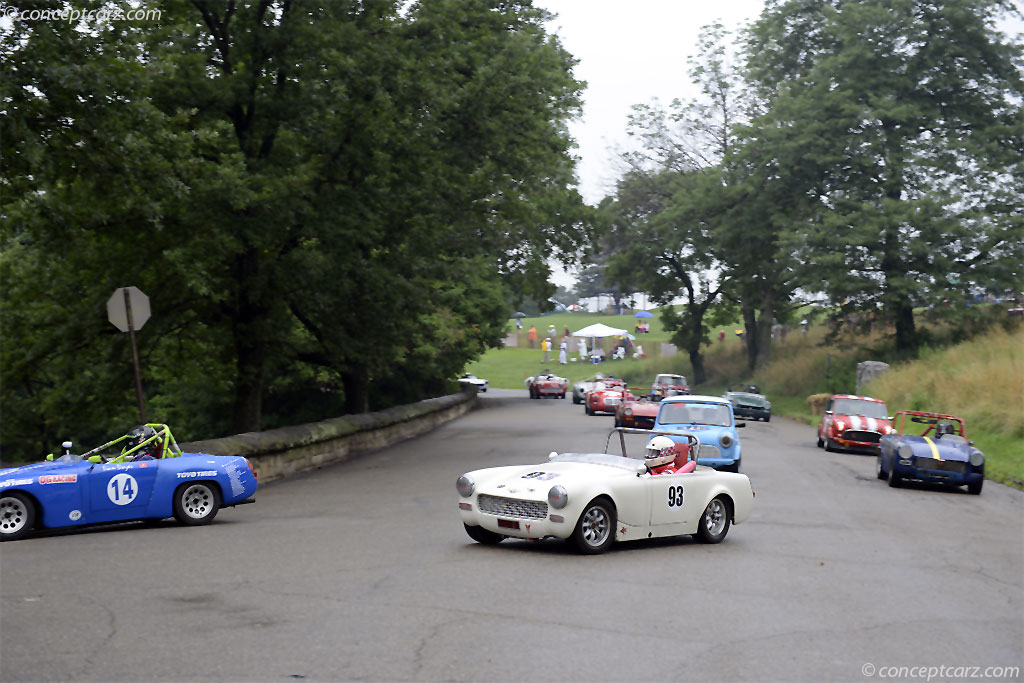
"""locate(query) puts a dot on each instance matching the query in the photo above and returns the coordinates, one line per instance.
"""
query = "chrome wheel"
(16, 516)
(596, 526)
(715, 517)
(196, 503)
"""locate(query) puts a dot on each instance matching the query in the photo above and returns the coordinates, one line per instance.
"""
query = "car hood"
(37, 468)
(927, 447)
(534, 481)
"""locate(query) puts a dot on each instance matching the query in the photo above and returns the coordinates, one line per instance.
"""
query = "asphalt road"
(362, 572)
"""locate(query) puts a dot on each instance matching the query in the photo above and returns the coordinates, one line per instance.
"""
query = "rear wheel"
(714, 523)
(482, 535)
(595, 529)
(17, 515)
(821, 444)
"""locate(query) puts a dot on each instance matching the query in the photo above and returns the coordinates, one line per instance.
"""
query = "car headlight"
(905, 451)
(558, 497)
(725, 440)
(977, 458)
(840, 426)
(628, 411)
(465, 485)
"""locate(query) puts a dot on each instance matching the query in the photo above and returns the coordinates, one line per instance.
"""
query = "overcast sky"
(630, 53)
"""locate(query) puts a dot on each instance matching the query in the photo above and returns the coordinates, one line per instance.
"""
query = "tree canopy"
(329, 205)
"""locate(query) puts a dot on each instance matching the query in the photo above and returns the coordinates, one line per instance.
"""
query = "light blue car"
(710, 419)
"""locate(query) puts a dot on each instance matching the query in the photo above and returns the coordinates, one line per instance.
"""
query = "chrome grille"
(709, 451)
(862, 436)
(512, 507)
(940, 465)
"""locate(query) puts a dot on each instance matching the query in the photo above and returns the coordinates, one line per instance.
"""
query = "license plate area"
(508, 524)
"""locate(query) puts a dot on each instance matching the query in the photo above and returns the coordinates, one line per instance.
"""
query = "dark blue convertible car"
(141, 475)
(930, 447)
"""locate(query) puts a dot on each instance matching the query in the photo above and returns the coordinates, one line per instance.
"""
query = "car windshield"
(748, 399)
(670, 379)
(693, 412)
(853, 406)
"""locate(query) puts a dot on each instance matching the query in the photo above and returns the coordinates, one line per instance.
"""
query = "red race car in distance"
(547, 384)
(638, 412)
(606, 397)
(664, 383)
(853, 423)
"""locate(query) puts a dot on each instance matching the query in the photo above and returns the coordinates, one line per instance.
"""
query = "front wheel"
(576, 400)
(974, 488)
(879, 470)
(830, 445)
(196, 503)
(714, 523)
(482, 535)
(595, 529)
(17, 515)
(895, 480)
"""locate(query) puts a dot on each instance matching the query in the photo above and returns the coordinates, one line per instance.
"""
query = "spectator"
(721, 336)
(582, 346)
(562, 351)
(545, 346)
(531, 336)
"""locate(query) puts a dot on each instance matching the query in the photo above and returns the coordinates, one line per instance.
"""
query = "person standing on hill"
(531, 336)
(562, 351)
(545, 346)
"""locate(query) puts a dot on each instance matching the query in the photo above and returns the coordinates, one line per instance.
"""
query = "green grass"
(981, 380)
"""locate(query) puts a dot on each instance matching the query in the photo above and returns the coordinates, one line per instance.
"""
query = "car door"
(670, 504)
(121, 491)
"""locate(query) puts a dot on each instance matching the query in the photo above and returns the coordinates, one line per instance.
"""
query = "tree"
(323, 202)
(902, 122)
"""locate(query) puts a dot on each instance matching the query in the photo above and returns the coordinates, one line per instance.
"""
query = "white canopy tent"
(599, 330)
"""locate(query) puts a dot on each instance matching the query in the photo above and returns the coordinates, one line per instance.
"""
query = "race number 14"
(122, 489)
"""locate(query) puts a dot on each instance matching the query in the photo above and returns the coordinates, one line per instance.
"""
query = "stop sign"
(117, 313)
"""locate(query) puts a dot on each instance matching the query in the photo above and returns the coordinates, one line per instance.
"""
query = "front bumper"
(508, 522)
(952, 472)
(858, 439)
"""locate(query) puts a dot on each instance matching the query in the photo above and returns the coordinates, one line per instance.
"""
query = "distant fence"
(277, 453)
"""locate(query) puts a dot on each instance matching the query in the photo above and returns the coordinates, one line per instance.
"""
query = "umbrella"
(598, 330)
(518, 314)
(643, 314)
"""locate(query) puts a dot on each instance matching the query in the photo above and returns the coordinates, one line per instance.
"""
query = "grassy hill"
(981, 380)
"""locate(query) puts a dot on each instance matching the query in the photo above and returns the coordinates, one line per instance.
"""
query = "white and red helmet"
(661, 450)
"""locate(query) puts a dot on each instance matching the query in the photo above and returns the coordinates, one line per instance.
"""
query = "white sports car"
(473, 380)
(594, 499)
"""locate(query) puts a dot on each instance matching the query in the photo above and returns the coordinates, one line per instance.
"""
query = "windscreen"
(693, 412)
(852, 406)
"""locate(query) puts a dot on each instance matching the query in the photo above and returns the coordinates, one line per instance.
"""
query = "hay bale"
(816, 403)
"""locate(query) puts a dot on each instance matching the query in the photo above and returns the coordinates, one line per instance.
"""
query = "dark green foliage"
(328, 204)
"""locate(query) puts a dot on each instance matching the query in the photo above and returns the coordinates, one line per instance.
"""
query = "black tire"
(735, 467)
(714, 523)
(880, 471)
(482, 535)
(830, 446)
(576, 399)
(768, 418)
(974, 488)
(595, 529)
(196, 503)
(17, 515)
(587, 408)
(895, 480)
(821, 443)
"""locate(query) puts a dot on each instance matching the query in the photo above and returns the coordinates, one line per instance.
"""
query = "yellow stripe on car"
(935, 451)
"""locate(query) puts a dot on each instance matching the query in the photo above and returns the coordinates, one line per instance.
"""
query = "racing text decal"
(122, 489)
(58, 479)
(675, 496)
(193, 475)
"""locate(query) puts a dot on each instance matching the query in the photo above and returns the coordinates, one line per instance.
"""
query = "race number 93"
(675, 496)
(122, 489)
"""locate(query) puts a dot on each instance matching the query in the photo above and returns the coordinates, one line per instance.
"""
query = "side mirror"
(828, 412)
(67, 447)
(95, 459)
(641, 469)
(970, 442)
(740, 425)
(552, 455)
(50, 456)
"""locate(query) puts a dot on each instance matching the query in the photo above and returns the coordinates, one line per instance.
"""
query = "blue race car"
(141, 475)
(711, 420)
(930, 447)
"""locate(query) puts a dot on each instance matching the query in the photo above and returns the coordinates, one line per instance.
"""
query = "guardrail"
(284, 451)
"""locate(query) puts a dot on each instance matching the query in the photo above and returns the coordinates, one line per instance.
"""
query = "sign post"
(128, 310)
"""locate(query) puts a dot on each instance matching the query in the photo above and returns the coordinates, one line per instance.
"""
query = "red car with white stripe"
(853, 423)
(606, 397)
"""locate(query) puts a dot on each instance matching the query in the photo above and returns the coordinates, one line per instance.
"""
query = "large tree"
(902, 121)
(323, 202)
